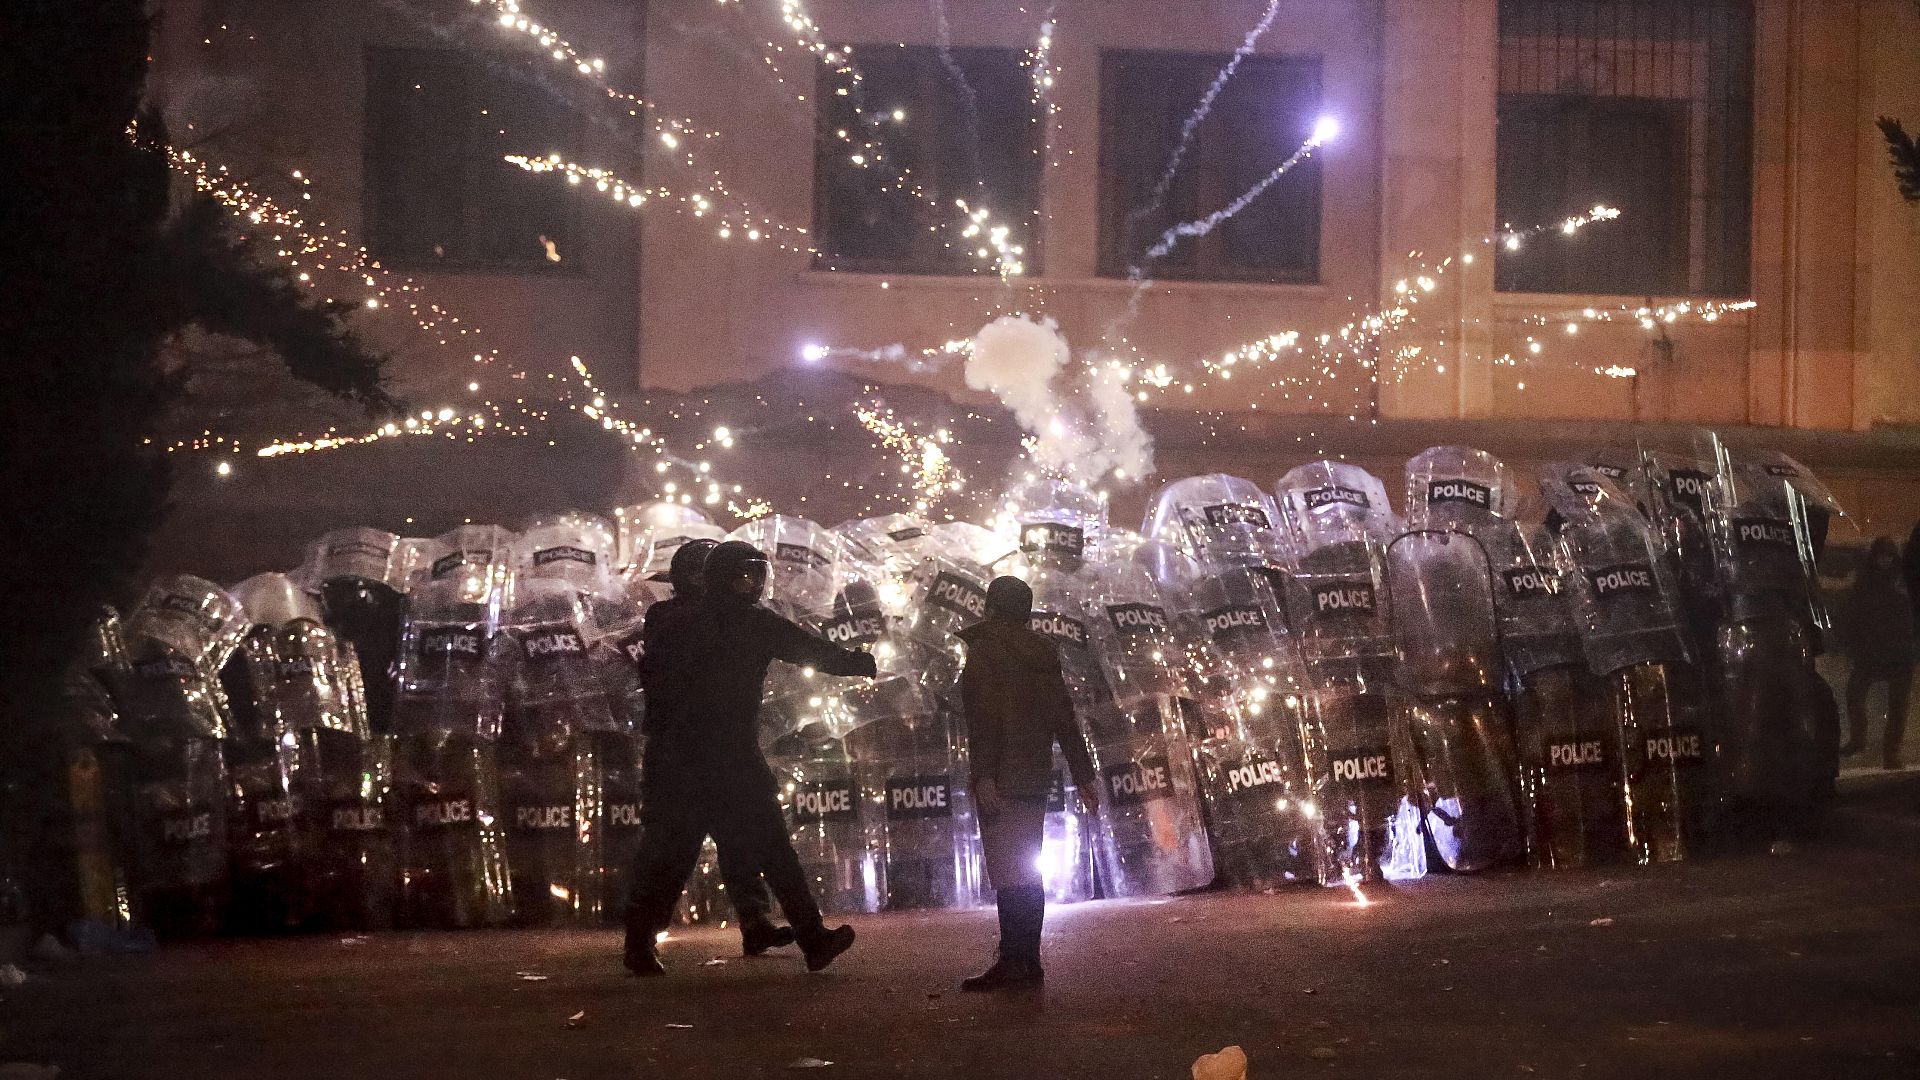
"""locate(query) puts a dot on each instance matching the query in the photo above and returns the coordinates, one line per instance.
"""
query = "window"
(1645, 107)
(1262, 117)
(439, 194)
(978, 140)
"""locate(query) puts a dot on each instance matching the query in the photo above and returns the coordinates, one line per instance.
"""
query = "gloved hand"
(871, 668)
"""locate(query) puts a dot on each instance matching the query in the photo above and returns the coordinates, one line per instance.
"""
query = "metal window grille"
(1646, 105)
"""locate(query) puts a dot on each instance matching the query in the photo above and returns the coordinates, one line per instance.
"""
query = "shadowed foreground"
(1791, 966)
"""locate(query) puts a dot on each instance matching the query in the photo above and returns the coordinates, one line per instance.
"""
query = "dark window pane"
(1645, 107)
(1258, 121)
(988, 156)
(439, 195)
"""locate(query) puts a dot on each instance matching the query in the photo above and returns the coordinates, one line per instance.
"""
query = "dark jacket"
(705, 664)
(1017, 707)
(1876, 623)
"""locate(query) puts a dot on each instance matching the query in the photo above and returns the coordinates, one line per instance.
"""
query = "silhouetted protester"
(1913, 570)
(703, 772)
(752, 903)
(1017, 708)
(1878, 631)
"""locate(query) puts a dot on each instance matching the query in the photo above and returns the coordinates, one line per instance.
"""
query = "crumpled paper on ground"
(1228, 1064)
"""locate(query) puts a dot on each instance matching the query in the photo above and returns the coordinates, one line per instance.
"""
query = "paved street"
(1798, 965)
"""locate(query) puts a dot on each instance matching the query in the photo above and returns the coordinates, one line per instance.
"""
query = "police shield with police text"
(704, 772)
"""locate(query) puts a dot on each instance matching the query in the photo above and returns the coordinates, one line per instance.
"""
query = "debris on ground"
(1228, 1064)
(11, 975)
(1601, 922)
(680, 1027)
(528, 976)
(49, 950)
(808, 1063)
(578, 1020)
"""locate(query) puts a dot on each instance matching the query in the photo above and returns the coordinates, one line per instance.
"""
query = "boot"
(821, 946)
(759, 936)
(641, 957)
(1022, 911)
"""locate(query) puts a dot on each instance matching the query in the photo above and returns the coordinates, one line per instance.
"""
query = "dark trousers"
(1899, 680)
(740, 810)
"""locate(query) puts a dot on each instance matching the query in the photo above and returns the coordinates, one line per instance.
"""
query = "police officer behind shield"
(752, 903)
(704, 772)
(1017, 707)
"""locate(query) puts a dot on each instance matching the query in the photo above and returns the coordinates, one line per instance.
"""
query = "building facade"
(1737, 137)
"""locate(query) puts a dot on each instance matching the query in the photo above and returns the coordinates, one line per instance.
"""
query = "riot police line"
(1610, 664)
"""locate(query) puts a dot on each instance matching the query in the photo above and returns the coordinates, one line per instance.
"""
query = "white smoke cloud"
(1082, 423)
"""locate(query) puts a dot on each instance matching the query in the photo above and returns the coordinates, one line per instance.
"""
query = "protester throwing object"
(704, 772)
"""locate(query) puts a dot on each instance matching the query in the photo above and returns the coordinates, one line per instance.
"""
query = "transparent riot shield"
(913, 770)
(1633, 634)
(1571, 783)
(1360, 758)
(649, 581)
(837, 832)
(1458, 488)
(1780, 741)
(268, 890)
(449, 707)
(1444, 627)
(1153, 841)
(1218, 519)
(177, 804)
(1682, 490)
(1248, 706)
(642, 528)
(362, 576)
(178, 638)
(549, 778)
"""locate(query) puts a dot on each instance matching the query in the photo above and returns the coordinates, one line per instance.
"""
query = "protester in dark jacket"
(1913, 570)
(1017, 708)
(1879, 637)
(752, 903)
(704, 773)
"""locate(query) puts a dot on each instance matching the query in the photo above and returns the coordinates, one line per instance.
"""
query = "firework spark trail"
(1199, 116)
(1202, 226)
(969, 101)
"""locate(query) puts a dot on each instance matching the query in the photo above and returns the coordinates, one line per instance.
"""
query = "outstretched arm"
(797, 645)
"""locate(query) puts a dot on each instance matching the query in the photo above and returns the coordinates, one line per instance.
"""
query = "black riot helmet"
(688, 565)
(736, 569)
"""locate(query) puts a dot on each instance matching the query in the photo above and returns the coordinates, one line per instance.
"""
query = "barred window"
(1644, 105)
(438, 194)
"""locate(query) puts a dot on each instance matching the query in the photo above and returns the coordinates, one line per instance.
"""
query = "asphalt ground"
(1801, 964)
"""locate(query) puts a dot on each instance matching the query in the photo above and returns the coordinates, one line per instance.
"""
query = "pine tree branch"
(1905, 152)
(225, 290)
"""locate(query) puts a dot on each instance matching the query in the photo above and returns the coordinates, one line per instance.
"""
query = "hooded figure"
(1878, 636)
(1017, 708)
(703, 772)
(752, 903)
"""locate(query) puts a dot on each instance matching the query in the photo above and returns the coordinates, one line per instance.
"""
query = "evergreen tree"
(102, 267)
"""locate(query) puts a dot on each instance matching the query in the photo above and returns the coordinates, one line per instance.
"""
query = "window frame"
(918, 263)
(1113, 199)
